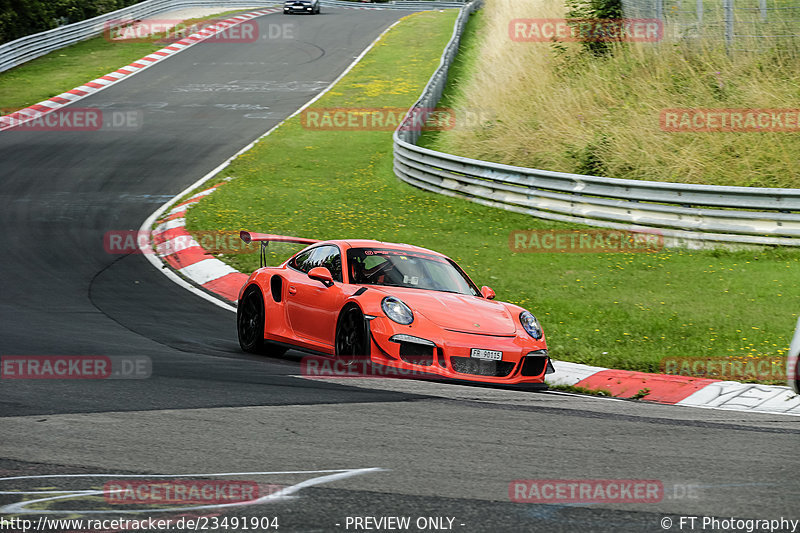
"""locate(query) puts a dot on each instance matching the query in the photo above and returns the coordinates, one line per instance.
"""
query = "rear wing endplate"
(265, 238)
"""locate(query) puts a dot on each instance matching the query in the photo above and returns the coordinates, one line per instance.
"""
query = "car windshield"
(400, 268)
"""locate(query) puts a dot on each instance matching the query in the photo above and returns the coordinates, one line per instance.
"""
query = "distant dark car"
(301, 6)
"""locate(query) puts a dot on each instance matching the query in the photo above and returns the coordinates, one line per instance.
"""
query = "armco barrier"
(683, 213)
(24, 49)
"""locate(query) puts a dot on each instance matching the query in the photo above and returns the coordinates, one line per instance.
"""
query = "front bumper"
(428, 351)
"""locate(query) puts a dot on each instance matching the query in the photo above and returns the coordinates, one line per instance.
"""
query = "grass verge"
(580, 390)
(625, 311)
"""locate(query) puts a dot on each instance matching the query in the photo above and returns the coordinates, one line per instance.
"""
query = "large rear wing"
(266, 238)
(248, 237)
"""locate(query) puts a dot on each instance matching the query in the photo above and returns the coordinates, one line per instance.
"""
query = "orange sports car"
(398, 306)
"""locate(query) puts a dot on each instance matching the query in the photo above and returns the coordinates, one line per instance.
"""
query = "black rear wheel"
(251, 322)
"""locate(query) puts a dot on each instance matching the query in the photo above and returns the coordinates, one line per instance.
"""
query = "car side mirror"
(487, 292)
(321, 274)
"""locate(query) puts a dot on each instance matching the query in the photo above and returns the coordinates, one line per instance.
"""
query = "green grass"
(65, 69)
(618, 310)
(580, 390)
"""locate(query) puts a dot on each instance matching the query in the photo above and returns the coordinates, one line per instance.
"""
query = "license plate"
(490, 355)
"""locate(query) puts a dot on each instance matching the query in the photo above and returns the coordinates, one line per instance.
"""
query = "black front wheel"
(352, 335)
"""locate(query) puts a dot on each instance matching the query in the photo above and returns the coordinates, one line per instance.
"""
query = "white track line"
(284, 493)
(147, 249)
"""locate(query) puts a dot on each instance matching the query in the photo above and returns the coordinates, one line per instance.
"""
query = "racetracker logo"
(730, 120)
(377, 119)
(171, 30)
(183, 492)
(73, 119)
(75, 367)
(586, 491)
(585, 241)
(357, 367)
(730, 369)
(586, 30)
(166, 243)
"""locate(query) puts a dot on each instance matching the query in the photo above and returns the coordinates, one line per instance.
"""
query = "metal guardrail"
(17, 52)
(682, 213)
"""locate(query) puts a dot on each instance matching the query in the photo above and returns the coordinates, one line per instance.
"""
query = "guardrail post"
(699, 8)
(727, 6)
(792, 363)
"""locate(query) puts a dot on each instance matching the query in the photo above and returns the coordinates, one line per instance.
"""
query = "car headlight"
(397, 310)
(530, 324)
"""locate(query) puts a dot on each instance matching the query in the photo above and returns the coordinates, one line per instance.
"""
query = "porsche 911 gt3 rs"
(398, 305)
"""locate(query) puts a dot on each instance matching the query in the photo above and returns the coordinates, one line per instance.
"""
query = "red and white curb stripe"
(37, 110)
(175, 246)
(678, 390)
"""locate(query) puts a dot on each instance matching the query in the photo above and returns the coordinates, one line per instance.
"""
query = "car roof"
(367, 243)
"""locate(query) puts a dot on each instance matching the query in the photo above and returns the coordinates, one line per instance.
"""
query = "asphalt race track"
(430, 449)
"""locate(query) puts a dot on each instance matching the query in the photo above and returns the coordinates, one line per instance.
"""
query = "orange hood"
(460, 312)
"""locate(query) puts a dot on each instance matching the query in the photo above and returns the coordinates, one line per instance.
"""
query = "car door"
(311, 307)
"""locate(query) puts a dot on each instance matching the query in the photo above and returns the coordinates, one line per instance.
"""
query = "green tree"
(25, 17)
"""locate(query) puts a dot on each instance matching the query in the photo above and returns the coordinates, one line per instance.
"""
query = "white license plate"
(490, 355)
